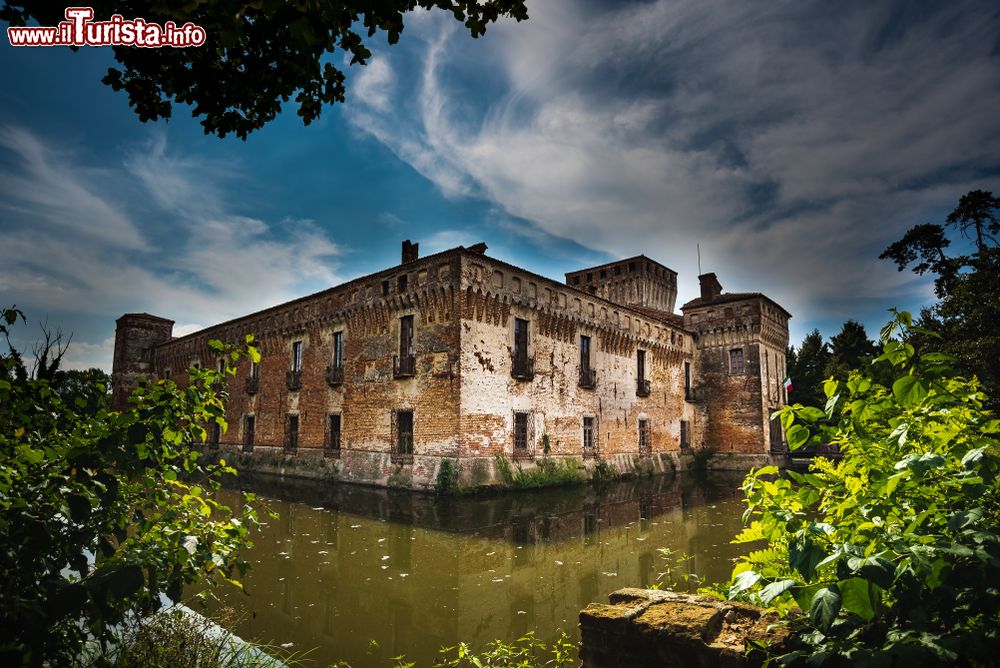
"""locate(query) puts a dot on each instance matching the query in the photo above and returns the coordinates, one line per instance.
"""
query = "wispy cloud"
(159, 232)
(791, 141)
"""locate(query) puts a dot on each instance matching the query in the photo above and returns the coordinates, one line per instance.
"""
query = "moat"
(360, 574)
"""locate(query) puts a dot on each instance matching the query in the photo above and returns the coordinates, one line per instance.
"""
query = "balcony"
(334, 376)
(689, 394)
(642, 387)
(523, 368)
(253, 385)
(588, 378)
(404, 367)
(293, 380)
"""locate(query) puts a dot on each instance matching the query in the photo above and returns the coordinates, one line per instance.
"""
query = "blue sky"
(793, 141)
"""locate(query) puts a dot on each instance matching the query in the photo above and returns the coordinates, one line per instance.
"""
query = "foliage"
(95, 518)
(604, 471)
(447, 478)
(546, 473)
(258, 54)
(175, 638)
(676, 574)
(525, 652)
(850, 349)
(968, 285)
(807, 369)
(893, 551)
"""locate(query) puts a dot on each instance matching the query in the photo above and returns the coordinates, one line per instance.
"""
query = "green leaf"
(856, 597)
(878, 570)
(824, 607)
(909, 391)
(803, 556)
(743, 581)
(797, 436)
(775, 589)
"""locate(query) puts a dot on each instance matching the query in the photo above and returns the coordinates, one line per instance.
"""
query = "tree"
(99, 513)
(807, 369)
(890, 553)
(850, 349)
(259, 53)
(968, 285)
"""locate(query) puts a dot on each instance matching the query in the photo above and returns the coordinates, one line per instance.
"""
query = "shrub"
(447, 478)
(546, 473)
(603, 471)
(97, 518)
(893, 552)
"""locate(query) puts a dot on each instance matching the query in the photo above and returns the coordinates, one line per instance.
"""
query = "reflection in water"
(344, 565)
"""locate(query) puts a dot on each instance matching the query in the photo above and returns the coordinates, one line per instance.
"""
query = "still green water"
(345, 565)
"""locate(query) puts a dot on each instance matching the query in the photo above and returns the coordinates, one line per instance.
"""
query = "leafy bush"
(96, 516)
(546, 473)
(893, 551)
(447, 478)
(603, 471)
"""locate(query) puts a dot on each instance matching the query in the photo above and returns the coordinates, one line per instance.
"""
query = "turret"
(136, 336)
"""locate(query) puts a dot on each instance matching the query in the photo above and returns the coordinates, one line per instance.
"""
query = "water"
(364, 575)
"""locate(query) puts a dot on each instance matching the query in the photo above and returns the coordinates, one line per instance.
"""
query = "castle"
(459, 356)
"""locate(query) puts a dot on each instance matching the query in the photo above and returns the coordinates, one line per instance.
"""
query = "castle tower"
(637, 282)
(741, 340)
(136, 334)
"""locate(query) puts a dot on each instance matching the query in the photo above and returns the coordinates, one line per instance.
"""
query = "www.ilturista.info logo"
(79, 29)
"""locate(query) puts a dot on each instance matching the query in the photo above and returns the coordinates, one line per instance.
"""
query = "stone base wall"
(644, 627)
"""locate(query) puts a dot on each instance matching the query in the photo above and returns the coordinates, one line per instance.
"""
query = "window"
(736, 364)
(333, 434)
(576, 280)
(385, 288)
(642, 383)
(214, 434)
(688, 393)
(255, 370)
(292, 442)
(584, 353)
(520, 433)
(645, 446)
(522, 367)
(685, 435)
(589, 436)
(590, 277)
(338, 350)
(221, 365)
(404, 434)
(297, 356)
(401, 281)
(167, 373)
(604, 273)
(406, 364)
(248, 433)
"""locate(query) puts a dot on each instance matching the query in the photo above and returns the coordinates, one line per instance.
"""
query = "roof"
(620, 262)
(729, 297)
(670, 318)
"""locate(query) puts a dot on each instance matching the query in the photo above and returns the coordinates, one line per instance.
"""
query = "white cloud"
(209, 261)
(792, 142)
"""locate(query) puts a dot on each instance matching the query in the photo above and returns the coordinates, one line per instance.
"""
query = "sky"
(790, 141)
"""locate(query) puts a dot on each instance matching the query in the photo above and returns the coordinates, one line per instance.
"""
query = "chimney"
(710, 287)
(410, 252)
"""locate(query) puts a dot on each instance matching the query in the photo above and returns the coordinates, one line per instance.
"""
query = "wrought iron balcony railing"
(293, 380)
(253, 385)
(334, 375)
(523, 368)
(642, 387)
(404, 367)
(588, 378)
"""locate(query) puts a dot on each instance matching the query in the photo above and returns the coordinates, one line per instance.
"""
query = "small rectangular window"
(404, 433)
(604, 273)
(736, 363)
(385, 288)
(255, 370)
(333, 438)
(520, 433)
(406, 336)
(338, 350)
(590, 277)
(688, 394)
(248, 433)
(214, 434)
(589, 435)
(401, 282)
(297, 356)
(221, 366)
(645, 446)
(292, 442)
(685, 435)
(584, 353)
(640, 364)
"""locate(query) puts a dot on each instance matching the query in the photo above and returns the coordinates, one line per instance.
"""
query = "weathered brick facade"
(461, 356)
